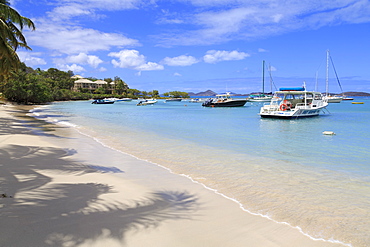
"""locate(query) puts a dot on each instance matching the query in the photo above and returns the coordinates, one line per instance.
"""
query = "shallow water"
(286, 170)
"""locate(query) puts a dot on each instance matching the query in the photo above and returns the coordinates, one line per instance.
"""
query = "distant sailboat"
(331, 98)
(261, 97)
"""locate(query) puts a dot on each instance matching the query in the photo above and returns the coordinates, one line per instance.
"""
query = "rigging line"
(317, 75)
(335, 71)
(271, 80)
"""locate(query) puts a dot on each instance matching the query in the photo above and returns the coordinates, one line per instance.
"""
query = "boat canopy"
(292, 89)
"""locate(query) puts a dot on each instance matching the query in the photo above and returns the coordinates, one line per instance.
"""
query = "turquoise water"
(286, 170)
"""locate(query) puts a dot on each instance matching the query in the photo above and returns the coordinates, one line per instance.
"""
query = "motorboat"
(118, 99)
(224, 100)
(197, 100)
(146, 102)
(102, 101)
(173, 99)
(123, 99)
(294, 103)
(347, 98)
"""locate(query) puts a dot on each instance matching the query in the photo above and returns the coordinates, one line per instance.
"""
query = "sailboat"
(261, 97)
(331, 98)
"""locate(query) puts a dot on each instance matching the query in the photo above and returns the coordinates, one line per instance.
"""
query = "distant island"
(355, 94)
(206, 93)
(212, 93)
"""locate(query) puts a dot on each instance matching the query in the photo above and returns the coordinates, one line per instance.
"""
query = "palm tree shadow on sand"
(40, 212)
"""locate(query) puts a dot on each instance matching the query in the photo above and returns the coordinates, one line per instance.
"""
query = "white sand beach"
(61, 188)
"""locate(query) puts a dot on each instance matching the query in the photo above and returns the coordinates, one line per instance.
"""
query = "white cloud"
(262, 50)
(73, 40)
(149, 66)
(68, 9)
(31, 59)
(214, 56)
(83, 58)
(74, 67)
(182, 60)
(177, 74)
(132, 59)
(218, 21)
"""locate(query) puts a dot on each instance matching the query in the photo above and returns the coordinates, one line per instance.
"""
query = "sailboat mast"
(263, 76)
(327, 73)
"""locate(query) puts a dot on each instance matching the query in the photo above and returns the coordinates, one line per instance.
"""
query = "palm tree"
(11, 37)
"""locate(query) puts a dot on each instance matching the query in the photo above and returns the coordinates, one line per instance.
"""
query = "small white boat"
(347, 98)
(124, 99)
(173, 99)
(260, 98)
(333, 99)
(197, 100)
(294, 103)
(102, 101)
(118, 99)
(146, 102)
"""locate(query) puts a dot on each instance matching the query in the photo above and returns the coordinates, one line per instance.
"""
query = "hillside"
(355, 94)
(206, 93)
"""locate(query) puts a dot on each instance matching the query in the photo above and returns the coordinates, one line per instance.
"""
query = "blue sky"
(196, 45)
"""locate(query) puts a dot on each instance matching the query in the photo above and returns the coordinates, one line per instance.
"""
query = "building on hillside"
(83, 83)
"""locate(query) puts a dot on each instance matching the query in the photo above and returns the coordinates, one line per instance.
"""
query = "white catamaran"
(294, 103)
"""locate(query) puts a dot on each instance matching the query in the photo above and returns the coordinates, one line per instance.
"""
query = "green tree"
(59, 79)
(133, 93)
(154, 93)
(177, 94)
(109, 80)
(100, 90)
(11, 37)
(27, 87)
(144, 93)
(120, 86)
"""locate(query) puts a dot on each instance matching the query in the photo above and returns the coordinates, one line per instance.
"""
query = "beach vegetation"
(27, 88)
(35, 86)
(154, 94)
(176, 94)
(11, 37)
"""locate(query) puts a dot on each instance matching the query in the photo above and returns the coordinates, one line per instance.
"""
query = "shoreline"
(103, 197)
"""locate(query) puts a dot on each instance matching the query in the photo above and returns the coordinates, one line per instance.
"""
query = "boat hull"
(301, 113)
(231, 103)
(169, 100)
(260, 100)
(102, 102)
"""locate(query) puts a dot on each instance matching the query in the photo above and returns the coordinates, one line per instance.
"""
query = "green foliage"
(58, 79)
(11, 37)
(176, 94)
(27, 88)
(120, 86)
(154, 93)
(100, 90)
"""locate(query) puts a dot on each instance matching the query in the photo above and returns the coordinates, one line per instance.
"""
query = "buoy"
(328, 133)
